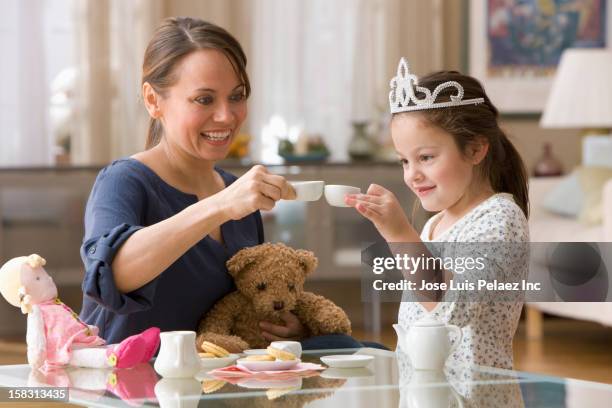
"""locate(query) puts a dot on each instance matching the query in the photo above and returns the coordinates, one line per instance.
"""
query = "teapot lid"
(428, 321)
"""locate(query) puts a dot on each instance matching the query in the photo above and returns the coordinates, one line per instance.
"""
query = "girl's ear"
(477, 150)
(151, 100)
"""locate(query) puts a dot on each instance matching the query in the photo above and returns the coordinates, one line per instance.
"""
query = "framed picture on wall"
(515, 45)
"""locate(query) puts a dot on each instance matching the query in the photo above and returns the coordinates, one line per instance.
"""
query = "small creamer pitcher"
(177, 356)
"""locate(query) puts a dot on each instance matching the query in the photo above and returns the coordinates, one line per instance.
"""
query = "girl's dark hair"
(174, 39)
(502, 165)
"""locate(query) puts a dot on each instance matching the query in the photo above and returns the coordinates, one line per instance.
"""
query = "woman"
(160, 225)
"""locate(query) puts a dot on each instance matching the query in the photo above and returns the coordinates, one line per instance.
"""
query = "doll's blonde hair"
(10, 276)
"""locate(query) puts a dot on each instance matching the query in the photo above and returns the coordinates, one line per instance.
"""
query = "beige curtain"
(90, 144)
(132, 25)
(430, 34)
(25, 138)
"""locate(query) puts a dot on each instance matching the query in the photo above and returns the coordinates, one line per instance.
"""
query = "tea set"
(426, 342)
(178, 357)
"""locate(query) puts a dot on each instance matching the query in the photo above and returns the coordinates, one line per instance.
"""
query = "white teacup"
(294, 347)
(307, 190)
(334, 194)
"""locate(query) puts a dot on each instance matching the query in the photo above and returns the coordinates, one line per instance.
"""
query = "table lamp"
(581, 95)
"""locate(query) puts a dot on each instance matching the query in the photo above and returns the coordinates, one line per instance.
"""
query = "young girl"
(460, 164)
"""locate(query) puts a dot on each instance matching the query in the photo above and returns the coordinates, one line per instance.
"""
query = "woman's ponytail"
(154, 134)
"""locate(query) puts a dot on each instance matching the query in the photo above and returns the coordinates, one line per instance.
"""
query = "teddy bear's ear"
(241, 260)
(308, 260)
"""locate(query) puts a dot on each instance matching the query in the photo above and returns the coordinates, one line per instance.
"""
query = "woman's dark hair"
(175, 38)
(502, 165)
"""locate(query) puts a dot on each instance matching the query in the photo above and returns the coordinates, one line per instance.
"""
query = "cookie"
(260, 357)
(212, 348)
(209, 386)
(273, 393)
(280, 354)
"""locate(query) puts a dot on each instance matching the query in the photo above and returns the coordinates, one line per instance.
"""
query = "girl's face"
(203, 111)
(38, 284)
(434, 167)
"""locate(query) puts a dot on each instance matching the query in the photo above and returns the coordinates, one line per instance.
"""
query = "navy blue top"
(127, 196)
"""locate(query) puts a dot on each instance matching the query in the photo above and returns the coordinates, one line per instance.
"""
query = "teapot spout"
(401, 333)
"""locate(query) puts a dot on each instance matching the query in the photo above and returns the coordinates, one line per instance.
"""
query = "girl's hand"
(380, 206)
(292, 330)
(256, 190)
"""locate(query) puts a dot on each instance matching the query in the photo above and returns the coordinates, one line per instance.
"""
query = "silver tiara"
(403, 99)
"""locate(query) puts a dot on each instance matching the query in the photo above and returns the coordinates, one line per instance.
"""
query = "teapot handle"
(457, 398)
(459, 334)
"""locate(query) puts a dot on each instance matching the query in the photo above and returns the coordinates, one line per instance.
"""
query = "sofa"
(546, 226)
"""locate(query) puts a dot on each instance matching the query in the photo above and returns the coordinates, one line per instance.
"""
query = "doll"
(56, 337)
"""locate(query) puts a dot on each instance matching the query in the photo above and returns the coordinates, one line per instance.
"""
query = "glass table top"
(388, 381)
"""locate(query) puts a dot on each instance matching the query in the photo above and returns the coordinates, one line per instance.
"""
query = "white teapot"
(427, 342)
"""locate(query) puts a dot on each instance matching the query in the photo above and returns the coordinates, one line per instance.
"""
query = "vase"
(361, 146)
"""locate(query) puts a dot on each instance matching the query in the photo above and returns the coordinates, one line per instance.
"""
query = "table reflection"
(456, 386)
(388, 381)
(135, 386)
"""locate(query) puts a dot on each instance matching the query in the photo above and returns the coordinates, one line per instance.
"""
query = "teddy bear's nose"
(278, 305)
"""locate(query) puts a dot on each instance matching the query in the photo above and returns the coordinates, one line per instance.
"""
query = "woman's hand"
(292, 330)
(256, 190)
(380, 206)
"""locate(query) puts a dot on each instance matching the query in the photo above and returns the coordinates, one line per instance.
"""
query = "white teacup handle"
(459, 334)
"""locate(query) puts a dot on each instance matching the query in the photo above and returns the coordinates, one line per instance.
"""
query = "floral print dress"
(487, 326)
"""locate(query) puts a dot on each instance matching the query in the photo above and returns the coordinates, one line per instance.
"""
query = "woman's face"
(203, 111)
(434, 168)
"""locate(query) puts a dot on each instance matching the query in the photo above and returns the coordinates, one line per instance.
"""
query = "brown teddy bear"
(270, 280)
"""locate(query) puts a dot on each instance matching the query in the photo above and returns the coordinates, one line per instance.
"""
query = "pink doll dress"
(63, 332)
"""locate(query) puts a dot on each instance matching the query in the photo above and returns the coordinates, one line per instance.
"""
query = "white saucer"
(267, 365)
(217, 362)
(342, 373)
(255, 352)
(347, 360)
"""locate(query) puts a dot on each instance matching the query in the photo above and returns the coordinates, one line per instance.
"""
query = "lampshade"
(581, 93)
